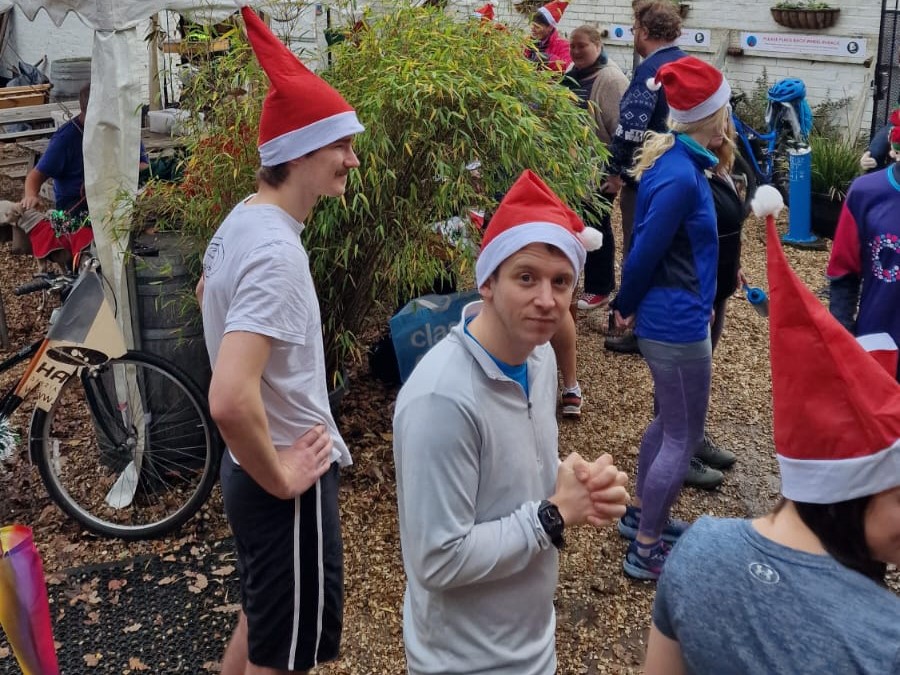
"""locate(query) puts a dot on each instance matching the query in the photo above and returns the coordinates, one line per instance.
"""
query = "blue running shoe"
(649, 567)
(628, 526)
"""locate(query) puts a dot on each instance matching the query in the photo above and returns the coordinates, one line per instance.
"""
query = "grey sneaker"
(702, 476)
(712, 455)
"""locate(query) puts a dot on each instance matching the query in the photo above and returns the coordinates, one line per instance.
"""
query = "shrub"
(835, 163)
(435, 94)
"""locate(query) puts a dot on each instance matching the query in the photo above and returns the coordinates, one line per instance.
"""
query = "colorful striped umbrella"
(24, 610)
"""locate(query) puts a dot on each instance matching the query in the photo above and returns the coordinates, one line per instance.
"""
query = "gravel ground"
(602, 616)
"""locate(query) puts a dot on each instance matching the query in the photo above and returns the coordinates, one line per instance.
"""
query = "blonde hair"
(725, 152)
(655, 145)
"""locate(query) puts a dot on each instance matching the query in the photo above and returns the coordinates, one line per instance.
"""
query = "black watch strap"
(552, 522)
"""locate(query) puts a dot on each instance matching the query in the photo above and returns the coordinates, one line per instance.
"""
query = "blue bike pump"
(800, 166)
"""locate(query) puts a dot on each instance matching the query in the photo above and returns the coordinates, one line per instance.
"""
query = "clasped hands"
(590, 492)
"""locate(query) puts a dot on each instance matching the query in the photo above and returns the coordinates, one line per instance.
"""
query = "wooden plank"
(36, 146)
(15, 172)
(195, 47)
(22, 100)
(38, 112)
(25, 89)
(15, 135)
(153, 143)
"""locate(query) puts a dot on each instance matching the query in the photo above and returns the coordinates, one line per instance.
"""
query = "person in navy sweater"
(657, 26)
(667, 292)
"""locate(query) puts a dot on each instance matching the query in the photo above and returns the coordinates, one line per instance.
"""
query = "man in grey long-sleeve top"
(483, 498)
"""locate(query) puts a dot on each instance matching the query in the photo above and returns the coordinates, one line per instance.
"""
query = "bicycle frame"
(778, 114)
(745, 137)
(83, 334)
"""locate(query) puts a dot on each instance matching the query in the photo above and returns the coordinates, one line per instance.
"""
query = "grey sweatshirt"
(474, 459)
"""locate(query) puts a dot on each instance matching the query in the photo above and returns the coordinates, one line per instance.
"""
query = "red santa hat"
(531, 213)
(553, 11)
(895, 130)
(882, 348)
(485, 12)
(301, 113)
(694, 89)
(836, 410)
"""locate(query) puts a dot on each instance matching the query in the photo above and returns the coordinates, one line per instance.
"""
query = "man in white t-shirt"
(268, 393)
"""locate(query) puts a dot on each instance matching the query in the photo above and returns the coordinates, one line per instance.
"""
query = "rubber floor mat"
(169, 614)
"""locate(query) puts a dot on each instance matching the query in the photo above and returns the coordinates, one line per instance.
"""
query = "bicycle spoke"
(127, 448)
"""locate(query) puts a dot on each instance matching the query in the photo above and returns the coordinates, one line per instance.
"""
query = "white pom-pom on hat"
(591, 238)
(767, 201)
(653, 84)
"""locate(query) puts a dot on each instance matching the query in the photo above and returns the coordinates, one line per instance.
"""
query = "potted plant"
(810, 15)
(835, 163)
(435, 94)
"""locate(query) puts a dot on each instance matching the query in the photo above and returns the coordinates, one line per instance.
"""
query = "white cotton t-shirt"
(257, 280)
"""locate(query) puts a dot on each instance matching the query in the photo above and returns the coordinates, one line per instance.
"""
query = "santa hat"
(553, 11)
(895, 130)
(485, 12)
(302, 113)
(531, 213)
(882, 348)
(694, 89)
(836, 410)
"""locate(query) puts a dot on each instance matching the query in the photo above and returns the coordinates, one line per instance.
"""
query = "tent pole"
(155, 92)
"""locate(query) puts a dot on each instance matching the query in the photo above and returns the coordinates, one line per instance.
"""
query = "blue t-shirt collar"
(517, 373)
(703, 156)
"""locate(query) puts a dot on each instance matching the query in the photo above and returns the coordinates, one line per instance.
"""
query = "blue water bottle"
(758, 299)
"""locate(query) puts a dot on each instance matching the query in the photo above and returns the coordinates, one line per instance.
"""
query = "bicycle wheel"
(745, 178)
(128, 448)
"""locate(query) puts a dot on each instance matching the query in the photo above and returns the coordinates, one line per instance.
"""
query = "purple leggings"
(681, 381)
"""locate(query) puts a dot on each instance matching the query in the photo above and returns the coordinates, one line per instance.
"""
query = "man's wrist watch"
(552, 522)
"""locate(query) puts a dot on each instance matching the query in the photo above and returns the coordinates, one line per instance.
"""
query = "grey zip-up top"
(474, 459)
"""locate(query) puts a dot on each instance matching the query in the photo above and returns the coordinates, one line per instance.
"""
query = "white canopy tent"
(112, 124)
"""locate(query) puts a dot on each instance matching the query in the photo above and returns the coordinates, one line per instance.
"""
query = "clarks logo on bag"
(429, 335)
(424, 322)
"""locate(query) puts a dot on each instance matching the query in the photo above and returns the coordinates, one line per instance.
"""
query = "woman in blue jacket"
(667, 292)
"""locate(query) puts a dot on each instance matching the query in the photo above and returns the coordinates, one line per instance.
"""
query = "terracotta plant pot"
(809, 19)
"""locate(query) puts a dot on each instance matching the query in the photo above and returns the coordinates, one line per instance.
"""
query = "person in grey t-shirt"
(268, 395)
(802, 589)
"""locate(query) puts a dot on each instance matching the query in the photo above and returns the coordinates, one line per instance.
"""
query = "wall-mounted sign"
(690, 37)
(812, 45)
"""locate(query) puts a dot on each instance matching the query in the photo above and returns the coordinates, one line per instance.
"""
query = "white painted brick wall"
(825, 77)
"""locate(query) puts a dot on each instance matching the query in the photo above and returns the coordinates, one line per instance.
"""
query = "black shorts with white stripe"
(290, 559)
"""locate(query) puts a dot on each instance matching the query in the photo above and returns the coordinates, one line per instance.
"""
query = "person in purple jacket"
(864, 269)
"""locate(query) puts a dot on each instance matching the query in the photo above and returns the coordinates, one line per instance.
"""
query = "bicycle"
(123, 440)
(762, 158)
